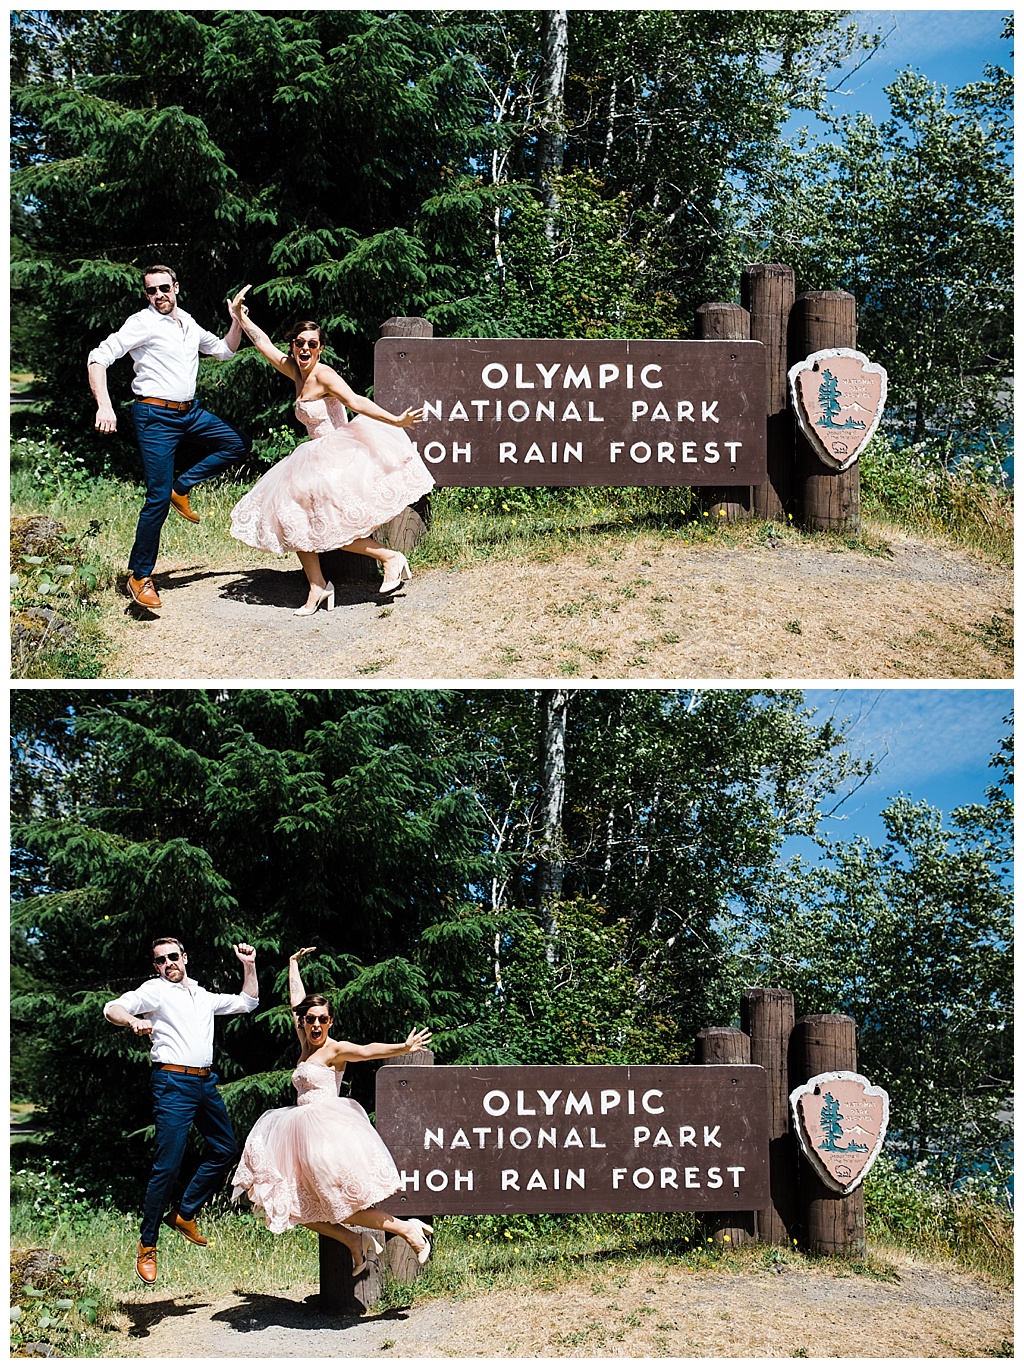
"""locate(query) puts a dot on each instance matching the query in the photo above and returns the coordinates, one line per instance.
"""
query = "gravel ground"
(921, 1311)
(651, 610)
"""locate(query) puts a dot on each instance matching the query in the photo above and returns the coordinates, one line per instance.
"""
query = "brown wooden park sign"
(715, 414)
(529, 412)
(717, 1138)
(470, 1140)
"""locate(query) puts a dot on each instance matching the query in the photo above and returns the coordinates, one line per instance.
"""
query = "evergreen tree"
(285, 818)
(405, 834)
(359, 164)
(831, 1123)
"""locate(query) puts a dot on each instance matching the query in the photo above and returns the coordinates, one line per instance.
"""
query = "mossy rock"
(32, 627)
(37, 535)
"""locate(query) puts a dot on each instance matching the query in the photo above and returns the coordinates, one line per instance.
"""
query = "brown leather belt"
(185, 1069)
(180, 405)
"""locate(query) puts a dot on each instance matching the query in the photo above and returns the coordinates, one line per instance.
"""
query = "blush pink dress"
(347, 480)
(318, 1161)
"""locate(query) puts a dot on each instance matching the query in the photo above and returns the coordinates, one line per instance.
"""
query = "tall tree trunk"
(550, 859)
(554, 37)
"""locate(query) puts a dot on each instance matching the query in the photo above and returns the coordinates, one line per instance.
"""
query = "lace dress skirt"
(318, 1161)
(332, 489)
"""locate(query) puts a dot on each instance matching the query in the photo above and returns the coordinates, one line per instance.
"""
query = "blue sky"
(931, 744)
(949, 46)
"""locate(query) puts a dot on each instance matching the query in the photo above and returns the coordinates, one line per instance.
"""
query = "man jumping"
(164, 343)
(178, 1016)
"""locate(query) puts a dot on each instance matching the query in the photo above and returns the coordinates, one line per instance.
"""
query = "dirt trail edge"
(663, 610)
(922, 1312)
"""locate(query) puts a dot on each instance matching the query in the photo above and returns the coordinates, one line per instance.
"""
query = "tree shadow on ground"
(257, 1311)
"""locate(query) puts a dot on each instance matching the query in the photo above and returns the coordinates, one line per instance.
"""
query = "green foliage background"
(399, 832)
(355, 164)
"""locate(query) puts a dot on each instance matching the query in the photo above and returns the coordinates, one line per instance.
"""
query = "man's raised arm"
(247, 955)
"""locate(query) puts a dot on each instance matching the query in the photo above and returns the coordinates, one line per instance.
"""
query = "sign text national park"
(552, 412)
(469, 1140)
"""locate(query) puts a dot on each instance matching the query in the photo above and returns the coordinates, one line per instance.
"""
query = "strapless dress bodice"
(322, 416)
(316, 1082)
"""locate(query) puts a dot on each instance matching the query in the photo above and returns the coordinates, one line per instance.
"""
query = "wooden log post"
(725, 1045)
(730, 323)
(831, 1223)
(767, 292)
(829, 500)
(767, 1014)
(340, 1293)
(407, 528)
(400, 1260)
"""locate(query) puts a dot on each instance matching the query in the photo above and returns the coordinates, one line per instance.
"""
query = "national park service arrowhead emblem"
(840, 1120)
(838, 396)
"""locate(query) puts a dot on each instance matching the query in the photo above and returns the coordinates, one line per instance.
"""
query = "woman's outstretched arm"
(358, 403)
(258, 337)
(416, 1040)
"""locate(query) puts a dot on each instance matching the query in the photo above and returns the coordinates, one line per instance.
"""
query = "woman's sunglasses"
(174, 956)
(314, 1020)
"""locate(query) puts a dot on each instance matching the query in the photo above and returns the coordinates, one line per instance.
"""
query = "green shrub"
(914, 1207)
(55, 1203)
(925, 487)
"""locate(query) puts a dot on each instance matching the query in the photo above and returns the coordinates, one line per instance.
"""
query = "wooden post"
(767, 292)
(730, 323)
(766, 1014)
(831, 1223)
(829, 499)
(338, 1290)
(410, 526)
(401, 1261)
(340, 1293)
(725, 1045)
(405, 529)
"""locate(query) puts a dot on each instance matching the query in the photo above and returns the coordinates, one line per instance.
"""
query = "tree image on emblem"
(831, 1124)
(829, 395)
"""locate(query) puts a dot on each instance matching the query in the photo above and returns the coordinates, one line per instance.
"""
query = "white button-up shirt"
(182, 1016)
(166, 357)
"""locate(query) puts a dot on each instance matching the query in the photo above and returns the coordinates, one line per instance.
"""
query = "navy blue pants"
(160, 432)
(180, 1101)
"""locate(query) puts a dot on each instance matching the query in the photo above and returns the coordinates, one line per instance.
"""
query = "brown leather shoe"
(186, 1226)
(180, 504)
(145, 1263)
(142, 592)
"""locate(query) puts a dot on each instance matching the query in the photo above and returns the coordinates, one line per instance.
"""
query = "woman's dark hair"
(302, 326)
(312, 1000)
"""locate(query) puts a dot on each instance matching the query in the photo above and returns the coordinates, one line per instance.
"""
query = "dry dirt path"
(924, 1312)
(655, 610)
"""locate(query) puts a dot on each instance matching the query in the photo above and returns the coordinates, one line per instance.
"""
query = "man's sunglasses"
(159, 289)
(314, 1020)
(174, 956)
